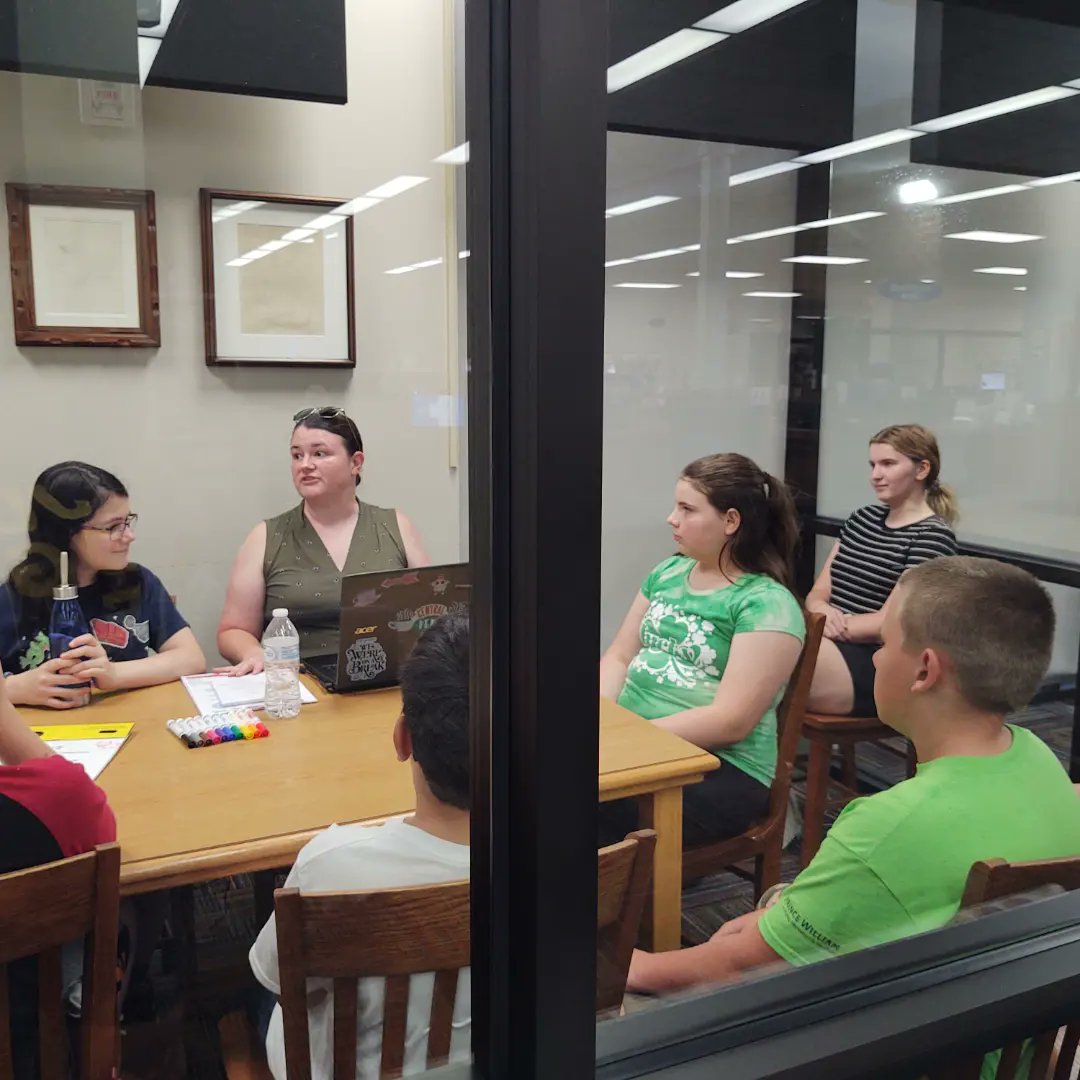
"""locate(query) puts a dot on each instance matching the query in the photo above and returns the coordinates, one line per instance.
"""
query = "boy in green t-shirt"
(965, 641)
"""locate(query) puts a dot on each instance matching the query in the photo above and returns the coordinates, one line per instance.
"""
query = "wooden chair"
(825, 733)
(763, 841)
(399, 933)
(44, 908)
(1055, 1050)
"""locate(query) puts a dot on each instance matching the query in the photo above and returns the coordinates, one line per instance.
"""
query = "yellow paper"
(64, 732)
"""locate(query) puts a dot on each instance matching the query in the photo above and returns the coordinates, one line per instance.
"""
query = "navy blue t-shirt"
(129, 621)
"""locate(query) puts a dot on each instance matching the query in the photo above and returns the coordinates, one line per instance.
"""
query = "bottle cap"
(281, 613)
(64, 591)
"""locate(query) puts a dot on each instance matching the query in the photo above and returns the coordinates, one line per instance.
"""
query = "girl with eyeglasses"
(137, 637)
(297, 559)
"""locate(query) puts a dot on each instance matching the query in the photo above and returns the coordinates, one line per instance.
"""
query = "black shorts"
(859, 657)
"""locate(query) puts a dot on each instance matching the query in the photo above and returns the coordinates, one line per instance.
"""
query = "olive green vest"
(301, 576)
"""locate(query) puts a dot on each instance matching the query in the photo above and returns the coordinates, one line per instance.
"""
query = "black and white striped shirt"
(872, 556)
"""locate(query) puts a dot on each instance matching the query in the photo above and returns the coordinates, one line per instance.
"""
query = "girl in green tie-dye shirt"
(711, 640)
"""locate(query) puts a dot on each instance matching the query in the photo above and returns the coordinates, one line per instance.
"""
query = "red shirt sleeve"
(64, 799)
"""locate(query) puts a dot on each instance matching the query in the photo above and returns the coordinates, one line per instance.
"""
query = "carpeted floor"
(179, 1042)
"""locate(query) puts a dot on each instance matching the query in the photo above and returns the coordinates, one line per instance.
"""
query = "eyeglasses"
(116, 532)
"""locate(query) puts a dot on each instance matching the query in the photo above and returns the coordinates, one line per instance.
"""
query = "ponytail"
(781, 532)
(942, 500)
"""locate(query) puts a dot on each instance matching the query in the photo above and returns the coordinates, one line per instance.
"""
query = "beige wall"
(203, 451)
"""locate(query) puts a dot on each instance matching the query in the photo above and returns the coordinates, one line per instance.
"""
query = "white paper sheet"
(213, 692)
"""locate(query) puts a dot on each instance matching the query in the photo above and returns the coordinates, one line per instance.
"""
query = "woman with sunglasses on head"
(297, 559)
(137, 637)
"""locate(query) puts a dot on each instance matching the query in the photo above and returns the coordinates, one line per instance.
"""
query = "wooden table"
(187, 816)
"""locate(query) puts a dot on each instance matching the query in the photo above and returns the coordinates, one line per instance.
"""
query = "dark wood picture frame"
(319, 205)
(28, 330)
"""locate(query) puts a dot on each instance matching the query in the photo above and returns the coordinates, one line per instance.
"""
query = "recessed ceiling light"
(775, 169)
(665, 253)
(274, 245)
(774, 295)
(694, 273)
(822, 223)
(982, 193)
(1019, 288)
(859, 146)
(742, 274)
(996, 108)
(743, 14)
(824, 260)
(618, 262)
(324, 221)
(396, 187)
(647, 285)
(641, 204)
(927, 281)
(414, 266)
(991, 236)
(357, 205)
(1011, 271)
(458, 156)
(659, 55)
(298, 234)
(917, 191)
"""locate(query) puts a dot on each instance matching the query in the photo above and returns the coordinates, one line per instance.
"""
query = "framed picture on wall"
(277, 280)
(83, 266)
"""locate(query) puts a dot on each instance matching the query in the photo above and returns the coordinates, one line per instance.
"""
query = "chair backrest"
(1053, 1051)
(45, 908)
(992, 879)
(790, 713)
(397, 933)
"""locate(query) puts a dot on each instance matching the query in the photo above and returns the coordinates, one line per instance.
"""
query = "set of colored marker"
(228, 725)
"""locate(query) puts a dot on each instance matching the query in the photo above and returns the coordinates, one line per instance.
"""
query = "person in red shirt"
(49, 809)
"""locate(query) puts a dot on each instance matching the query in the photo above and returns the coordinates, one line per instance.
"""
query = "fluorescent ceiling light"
(917, 191)
(661, 54)
(843, 219)
(989, 236)
(274, 245)
(694, 273)
(859, 146)
(646, 285)
(464, 254)
(458, 156)
(618, 262)
(666, 253)
(1010, 271)
(241, 261)
(744, 14)
(298, 234)
(774, 295)
(927, 281)
(1047, 181)
(324, 221)
(641, 204)
(996, 108)
(775, 169)
(1019, 288)
(396, 186)
(413, 266)
(357, 205)
(824, 260)
(258, 253)
(742, 274)
(982, 193)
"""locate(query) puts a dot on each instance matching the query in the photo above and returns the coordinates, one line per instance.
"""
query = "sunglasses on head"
(330, 412)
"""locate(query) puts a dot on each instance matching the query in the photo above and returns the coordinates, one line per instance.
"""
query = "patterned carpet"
(176, 1043)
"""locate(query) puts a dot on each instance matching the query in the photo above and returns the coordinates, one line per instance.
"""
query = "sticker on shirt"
(365, 659)
(110, 634)
(420, 618)
(141, 630)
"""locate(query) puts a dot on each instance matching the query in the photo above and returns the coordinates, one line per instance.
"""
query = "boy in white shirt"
(423, 848)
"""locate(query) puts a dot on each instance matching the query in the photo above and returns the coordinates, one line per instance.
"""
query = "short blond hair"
(995, 622)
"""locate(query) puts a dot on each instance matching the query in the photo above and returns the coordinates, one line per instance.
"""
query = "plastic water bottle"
(281, 662)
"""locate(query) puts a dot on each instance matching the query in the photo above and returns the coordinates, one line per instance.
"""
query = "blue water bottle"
(67, 621)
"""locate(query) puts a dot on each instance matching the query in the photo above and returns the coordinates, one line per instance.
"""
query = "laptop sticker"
(365, 659)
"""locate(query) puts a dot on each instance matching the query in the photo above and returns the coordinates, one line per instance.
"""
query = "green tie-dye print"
(685, 641)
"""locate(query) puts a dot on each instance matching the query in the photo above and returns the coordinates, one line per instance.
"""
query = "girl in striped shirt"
(911, 522)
